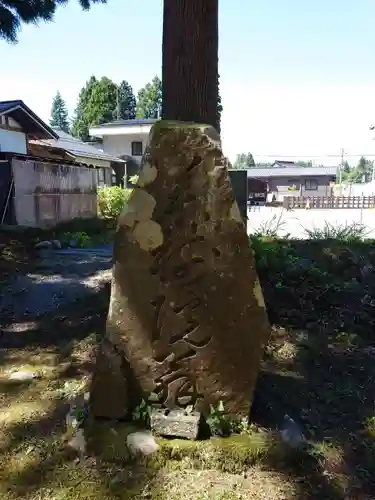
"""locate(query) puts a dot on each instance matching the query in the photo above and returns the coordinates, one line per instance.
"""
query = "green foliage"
(349, 232)
(80, 127)
(111, 200)
(81, 239)
(102, 101)
(149, 100)
(59, 114)
(126, 106)
(222, 424)
(346, 168)
(370, 427)
(271, 228)
(244, 160)
(269, 252)
(134, 179)
(102, 104)
(362, 172)
(14, 13)
(142, 414)
(302, 163)
(94, 226)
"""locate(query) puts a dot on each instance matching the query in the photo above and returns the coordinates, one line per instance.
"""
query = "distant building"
(67, 147)
(126, 139)
(285, 178)
(38, 190)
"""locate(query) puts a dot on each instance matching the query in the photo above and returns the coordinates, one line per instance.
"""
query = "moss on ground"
(234, 454)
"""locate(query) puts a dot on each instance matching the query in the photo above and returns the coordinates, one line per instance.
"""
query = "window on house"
(311, 184)
(137, 148)
(293, 185)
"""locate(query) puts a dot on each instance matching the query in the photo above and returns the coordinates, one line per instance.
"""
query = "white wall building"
(12, 141)
(124, 138)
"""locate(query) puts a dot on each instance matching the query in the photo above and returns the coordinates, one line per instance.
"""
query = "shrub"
(271, 228)
(80, 238)
(343, 232)
(111, 200)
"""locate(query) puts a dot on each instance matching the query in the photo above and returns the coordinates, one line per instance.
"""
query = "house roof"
(291, 172)
(126, 123)
(77, 148)
(283, 163)
(28, 120)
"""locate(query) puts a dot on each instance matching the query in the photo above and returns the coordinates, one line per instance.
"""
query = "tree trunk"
(190, 61)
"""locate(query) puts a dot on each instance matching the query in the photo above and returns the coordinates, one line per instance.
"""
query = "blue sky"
(297, 78)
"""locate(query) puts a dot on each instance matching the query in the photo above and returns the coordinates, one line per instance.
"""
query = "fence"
(47, 193)
(329, 202)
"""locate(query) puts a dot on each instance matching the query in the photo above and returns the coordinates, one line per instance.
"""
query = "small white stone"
(42, 245)
(23, 376)
(142, 443)
(78, 441)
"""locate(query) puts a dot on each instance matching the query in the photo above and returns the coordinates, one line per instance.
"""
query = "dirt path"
(58, 278)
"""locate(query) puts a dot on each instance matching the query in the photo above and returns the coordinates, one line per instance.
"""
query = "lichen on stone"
(235, 213)
(139, 208)
(258, 293)
(148, 235)
(148, 174)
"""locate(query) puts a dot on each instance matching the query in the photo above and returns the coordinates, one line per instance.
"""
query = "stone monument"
(186, 310)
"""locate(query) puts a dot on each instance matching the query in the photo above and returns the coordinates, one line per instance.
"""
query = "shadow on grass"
(56, 329)
(320, 294)
(37, 461)
(330, 395)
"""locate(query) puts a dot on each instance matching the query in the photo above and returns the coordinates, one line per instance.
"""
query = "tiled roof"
(282, 163)
(28, 120)
(77, 148)
(125, 123)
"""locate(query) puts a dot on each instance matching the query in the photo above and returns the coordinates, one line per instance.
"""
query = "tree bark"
(190, 61)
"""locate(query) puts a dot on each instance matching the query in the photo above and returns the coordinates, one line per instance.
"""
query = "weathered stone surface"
(110, 384)
(186, 308)
(175, 423)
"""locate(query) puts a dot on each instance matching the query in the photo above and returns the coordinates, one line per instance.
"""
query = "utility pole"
(341, 168)
(118, 111)
(373, 162)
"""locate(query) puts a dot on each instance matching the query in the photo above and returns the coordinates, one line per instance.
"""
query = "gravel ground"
(294, 222)
(60, 277)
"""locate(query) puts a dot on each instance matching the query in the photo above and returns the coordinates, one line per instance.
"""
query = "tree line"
(102, 100)
(362, 172)
(246, 160)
